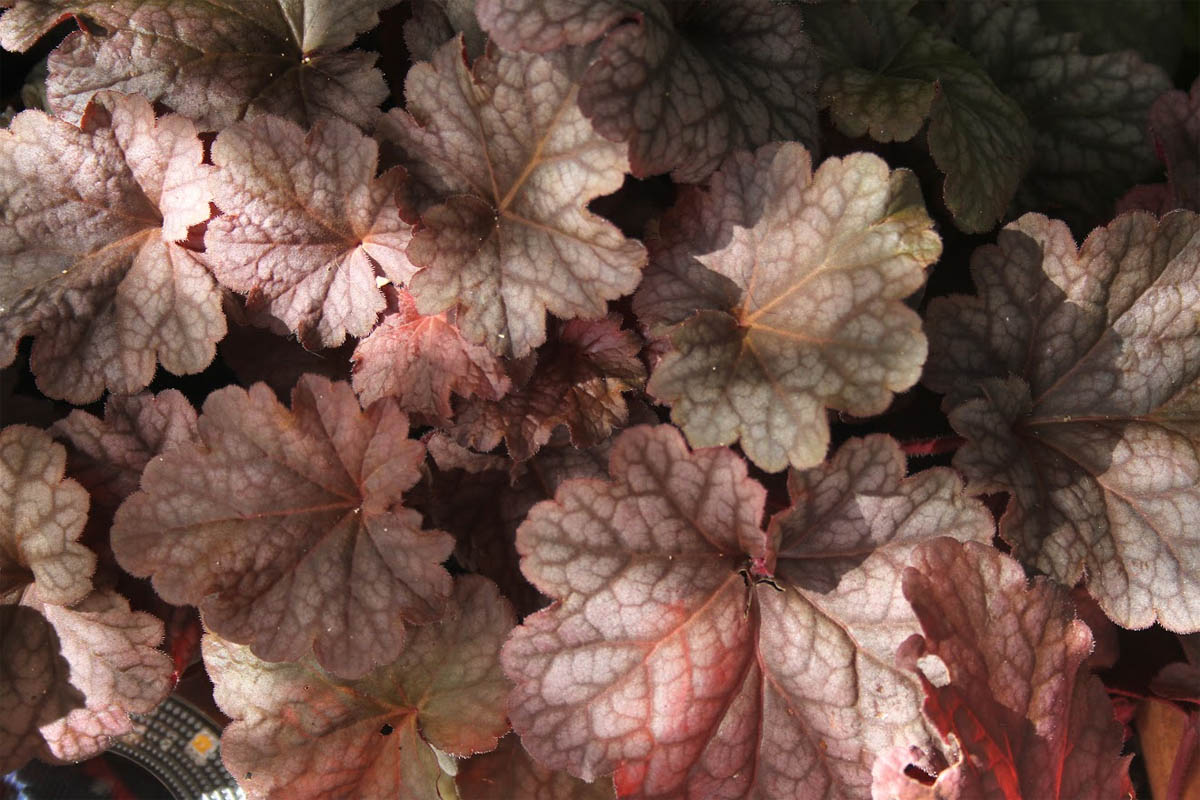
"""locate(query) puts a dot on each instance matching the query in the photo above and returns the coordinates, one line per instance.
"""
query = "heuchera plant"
(608, 398)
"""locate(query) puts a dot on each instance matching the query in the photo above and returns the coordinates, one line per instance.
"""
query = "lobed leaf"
(300, 732)
(686, 83)
(1030, 720)
(287, 528)
(514, 164)
(306, 227)
(694, 655)
(91, 267)
(1073, 376)
(42, 515)
(108, 455)
(422, 360)
(213, 62)
(822, 262)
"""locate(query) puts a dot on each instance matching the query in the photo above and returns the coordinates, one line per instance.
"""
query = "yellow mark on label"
(202, 743)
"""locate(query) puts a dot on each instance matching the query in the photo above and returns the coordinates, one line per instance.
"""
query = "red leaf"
(1029, 717)
(691, 654)
(287, 528)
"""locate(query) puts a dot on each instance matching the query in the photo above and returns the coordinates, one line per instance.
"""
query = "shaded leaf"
(115, 664)
(481, 503)
(1088, 111)
(434, 22)
(90, 265)
(576, 380)
(508, 771)
(1175, 127)
(287, 528)
(299, 732)
(422, 360)
(822, 261)
(41, 517)
(72, 676)
(901, 73)
(695, 656)
(685, 82)
(1097, 437)
(306, 227)
(1030, 718)
(109, 454)
(212, 62)
(514, 164)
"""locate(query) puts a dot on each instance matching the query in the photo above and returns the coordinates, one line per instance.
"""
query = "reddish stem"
(932, 447)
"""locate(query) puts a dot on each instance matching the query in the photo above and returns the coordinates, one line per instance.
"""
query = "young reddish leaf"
(905, 73)
(287, 529)
(299, 732)
(306, 227)
(1096, 440)
(72, 676)
(508, 771)
(696, 657)
(108, 455)
(41, 517)
(1088, 112)
(686, 83)
(577, 380)
(88, 260)
(1029, 717)
(515, 164)
(212, 62)
(421, 360)
(823, 262)
(1175, 127)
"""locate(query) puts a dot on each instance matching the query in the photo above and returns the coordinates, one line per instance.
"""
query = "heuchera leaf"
(695, 656)
(422, 360)
(41, 517)
(88, 261)
(299, 732)
(1088, 111)
(211, 61)
(306, 227)
(109, 454)
(1030, 719)
(1175, 127)
(1096, 435)
(286, 527)
(887, 73)
(822, 261)
(685, 82)
(577, 380)
(74, 662)
(515, 164)
(508, 771)
(434, 22)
